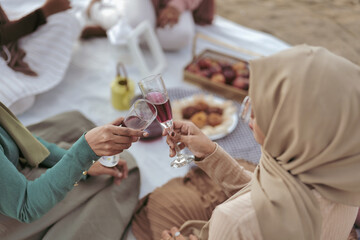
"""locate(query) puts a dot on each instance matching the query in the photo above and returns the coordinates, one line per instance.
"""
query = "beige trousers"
(95, 209)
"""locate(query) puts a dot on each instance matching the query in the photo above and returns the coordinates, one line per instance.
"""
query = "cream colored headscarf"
(306, 100)
(33, 151)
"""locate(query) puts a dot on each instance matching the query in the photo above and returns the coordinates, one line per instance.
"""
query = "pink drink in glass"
(153, 89)
(135, 122)
(141, 114)
(162, 104)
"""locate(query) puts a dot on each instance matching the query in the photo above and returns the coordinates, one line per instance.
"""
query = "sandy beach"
(333, 24)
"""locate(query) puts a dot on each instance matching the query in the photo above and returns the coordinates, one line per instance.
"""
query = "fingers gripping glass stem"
(141, 114)
(169, 128)
(154, 90)
(181, 158)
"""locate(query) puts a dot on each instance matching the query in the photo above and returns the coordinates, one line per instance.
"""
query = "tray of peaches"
(234, 74)
(215, 116)
(222, 74)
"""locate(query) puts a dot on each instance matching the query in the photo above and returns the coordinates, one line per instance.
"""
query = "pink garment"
(203, 11)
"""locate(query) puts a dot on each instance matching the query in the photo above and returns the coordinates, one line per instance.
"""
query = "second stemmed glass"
(153, 89)
(141, 114)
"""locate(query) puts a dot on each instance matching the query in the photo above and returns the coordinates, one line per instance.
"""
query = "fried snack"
(215, 110)
(210, 126)
(201, 106)
(189, 111)
(199, 119)
(214, 119)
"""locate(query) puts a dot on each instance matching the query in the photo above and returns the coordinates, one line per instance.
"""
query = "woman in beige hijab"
(305, 114)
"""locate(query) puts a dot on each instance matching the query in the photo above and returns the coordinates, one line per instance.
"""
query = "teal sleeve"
(56, 153)
(27, 200)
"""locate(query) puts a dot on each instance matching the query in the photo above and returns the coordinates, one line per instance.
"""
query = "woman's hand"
(190, 136)
(119, 172)
(174, 233)
(54, 6)
(111, 139)
(168, 16)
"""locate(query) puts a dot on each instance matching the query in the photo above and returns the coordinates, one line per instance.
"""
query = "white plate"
(230, 115)
(228, 130)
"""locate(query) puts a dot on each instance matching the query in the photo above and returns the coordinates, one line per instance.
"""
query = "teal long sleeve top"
(27, 200)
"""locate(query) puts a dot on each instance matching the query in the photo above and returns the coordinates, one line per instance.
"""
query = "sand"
(334, 24)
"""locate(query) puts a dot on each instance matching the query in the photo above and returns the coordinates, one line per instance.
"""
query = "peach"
(224, 65)
(205, 63)
(239, 65)
(193, 67)
(205, 73)
(218, 78)
(229, 75)
(241, 83)
(242, 72)
(215, 68)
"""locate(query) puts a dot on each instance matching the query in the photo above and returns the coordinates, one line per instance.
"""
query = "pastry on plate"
(211, 114)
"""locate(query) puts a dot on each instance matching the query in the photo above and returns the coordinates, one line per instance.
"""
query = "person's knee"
(138, 11)
(178, 36)
(174, 40)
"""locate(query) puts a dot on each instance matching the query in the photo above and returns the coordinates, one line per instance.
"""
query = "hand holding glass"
(153, 89)
(141, 114)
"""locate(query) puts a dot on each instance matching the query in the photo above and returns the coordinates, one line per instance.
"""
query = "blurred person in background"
(173, 20)
(35, 52)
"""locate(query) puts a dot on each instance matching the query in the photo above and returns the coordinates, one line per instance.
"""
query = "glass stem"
(169, 129)
(177, 150)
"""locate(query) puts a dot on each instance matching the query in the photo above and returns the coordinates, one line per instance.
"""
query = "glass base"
(109, 161)
(182, 160)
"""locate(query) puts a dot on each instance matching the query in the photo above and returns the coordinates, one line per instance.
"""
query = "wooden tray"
(225, 90)
(219, 88)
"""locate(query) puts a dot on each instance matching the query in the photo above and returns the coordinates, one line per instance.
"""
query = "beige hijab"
(33, 151)
(307, 102)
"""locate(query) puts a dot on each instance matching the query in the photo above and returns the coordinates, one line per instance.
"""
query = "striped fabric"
(192, 197)
(48, 53)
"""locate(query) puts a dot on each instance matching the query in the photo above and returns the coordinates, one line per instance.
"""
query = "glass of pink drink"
(153, 89)
(141, 114)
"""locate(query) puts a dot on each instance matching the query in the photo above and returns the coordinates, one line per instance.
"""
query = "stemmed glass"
(141, 114)
(153, 89)
(245, 110)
